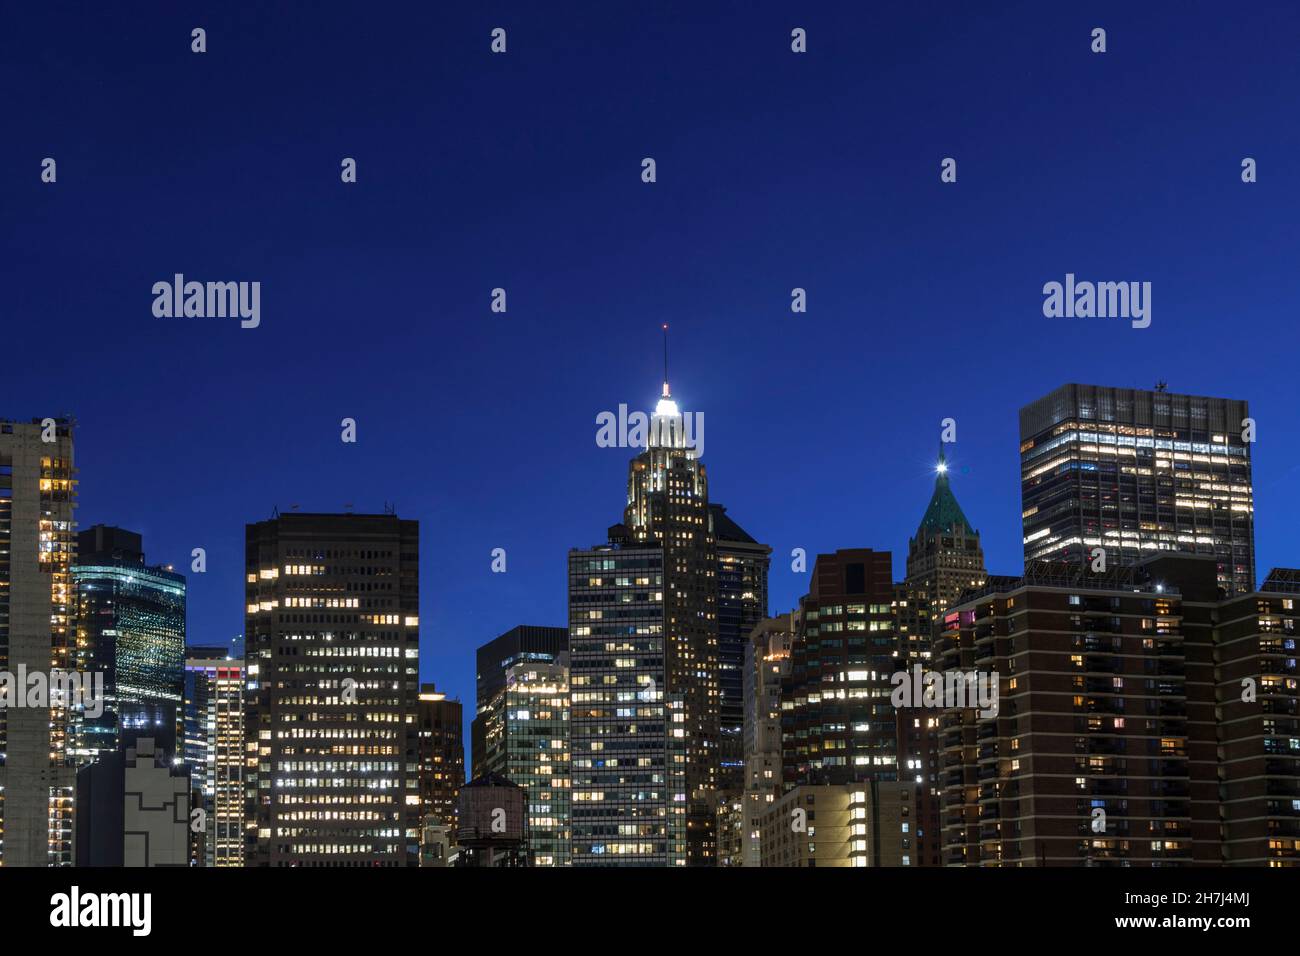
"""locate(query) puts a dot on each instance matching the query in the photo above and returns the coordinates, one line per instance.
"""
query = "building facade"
(130, 629)
(522, 644)
(527, 731)
(767, 665)
(442, 761)
(332, 655)
(627, 729)
(213, 746)
(1135, 472)
(37, 602)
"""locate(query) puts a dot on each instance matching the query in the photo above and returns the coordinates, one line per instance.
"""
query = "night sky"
(523, 171)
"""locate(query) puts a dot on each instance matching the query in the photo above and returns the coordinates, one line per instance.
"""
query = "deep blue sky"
(523, 171)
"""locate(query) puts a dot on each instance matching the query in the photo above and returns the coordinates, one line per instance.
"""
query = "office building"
(442, 761)
(668, 506)
(627, 729)
(213, 747)
(332, 654)
(1128, 473)
(521, 644)
(131, 630)
(37, 603)
(527, 740)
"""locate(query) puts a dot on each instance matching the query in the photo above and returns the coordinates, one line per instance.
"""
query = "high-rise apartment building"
(627, 727)
(668, 506)
(332, 653)
(526, 643)
(131, 630)
(742, 604)
(213, 748)
(1135, 472)
(37, 548)
(1144, 719)
(527, 731)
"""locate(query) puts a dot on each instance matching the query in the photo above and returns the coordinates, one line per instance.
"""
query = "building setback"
(37, 548)
(627, 738)
(332, 653)
(1136, 472)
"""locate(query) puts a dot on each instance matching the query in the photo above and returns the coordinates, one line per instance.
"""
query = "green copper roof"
(943, 512)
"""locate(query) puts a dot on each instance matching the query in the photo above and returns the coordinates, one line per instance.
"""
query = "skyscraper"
(1133, 472)
(944, 558)
(37, 548)
(130, 629)
(668, 506)
(213, 746)
(527, 742)
(332, 652)
(837, 722)
(742, 604)
(442, 760)
(627, 730)
(521, 644)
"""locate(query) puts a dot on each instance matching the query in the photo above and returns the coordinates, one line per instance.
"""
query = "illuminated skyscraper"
(944, 558)
(214, 750)
(37, 548)
(522, 644)
(668, 506)
(1134, 472)
(130, 629)
(627, 737)
(332, 652)
(527, 742)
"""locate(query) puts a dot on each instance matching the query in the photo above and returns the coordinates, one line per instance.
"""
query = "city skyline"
(924, 298)
(356, 509)
(944, 467)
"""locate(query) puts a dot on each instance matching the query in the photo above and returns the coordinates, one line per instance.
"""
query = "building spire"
(667, 394)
